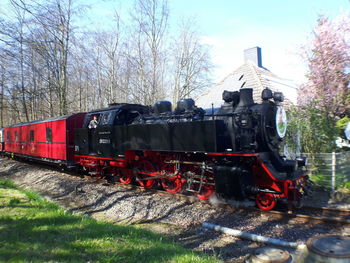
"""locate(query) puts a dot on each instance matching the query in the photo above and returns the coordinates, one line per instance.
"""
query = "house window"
(31, 136)
(48, 134)
(16, 136)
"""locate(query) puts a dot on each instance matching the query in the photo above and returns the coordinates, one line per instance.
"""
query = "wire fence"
(330, 171)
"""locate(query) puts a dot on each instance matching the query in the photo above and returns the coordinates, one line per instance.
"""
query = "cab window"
(90, 117)
(125, 117)
(106, 118)
(120, 118)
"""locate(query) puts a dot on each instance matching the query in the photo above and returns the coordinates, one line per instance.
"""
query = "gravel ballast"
(176, 218)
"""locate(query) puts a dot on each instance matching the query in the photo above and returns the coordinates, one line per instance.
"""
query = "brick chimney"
(254, 55)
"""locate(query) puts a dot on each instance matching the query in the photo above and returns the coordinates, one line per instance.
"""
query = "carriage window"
(16, 136)
(31, 135)
(48, 134)
(8, 136)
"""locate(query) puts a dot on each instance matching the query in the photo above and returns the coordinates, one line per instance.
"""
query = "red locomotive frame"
(150, 167)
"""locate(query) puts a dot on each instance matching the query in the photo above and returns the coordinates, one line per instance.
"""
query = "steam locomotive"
(232, 151)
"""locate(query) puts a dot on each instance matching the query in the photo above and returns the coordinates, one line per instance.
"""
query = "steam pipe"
(252, 237)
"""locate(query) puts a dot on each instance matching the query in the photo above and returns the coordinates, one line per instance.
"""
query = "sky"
(279, 27)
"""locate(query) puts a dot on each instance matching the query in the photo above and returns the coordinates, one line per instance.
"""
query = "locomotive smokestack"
(245, 98)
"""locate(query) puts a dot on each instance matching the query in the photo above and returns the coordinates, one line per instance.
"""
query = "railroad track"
(326, 211)
(303, 215)
(337, 215)
(314, 215)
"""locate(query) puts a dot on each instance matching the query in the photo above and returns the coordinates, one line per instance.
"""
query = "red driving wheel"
(174, 183)
(208, 187)
(144, 167)
(265, 201)
(126, 176)
(206, 191)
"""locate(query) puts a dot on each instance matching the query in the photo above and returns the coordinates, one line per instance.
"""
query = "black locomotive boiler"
(232, 151)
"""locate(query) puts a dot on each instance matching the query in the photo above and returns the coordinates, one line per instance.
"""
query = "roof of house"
(249, 75)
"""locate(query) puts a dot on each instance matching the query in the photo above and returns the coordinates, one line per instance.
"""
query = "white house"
(250, 75)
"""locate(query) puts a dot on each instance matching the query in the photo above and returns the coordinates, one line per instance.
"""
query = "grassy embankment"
(35, 230)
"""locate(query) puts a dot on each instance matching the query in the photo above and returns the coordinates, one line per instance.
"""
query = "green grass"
(35, 230)
(346, 186)
(325, 181)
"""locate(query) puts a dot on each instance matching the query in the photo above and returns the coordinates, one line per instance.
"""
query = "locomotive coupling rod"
(268, 191)
(183, 162)
(152, 177)
(253, 237)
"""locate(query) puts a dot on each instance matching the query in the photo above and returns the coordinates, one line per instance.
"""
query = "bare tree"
(51, 25)
(111, 48)
(13, 34)
(2, 92)
(52, 69)
(151, 23)
(191, 63)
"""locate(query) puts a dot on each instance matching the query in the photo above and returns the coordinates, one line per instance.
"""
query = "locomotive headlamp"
(281, 122)
(278, 96)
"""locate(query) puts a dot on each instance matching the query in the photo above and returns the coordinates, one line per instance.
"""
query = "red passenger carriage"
(51, 140)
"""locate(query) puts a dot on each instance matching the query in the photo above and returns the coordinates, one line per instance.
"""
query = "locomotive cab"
(101, 141)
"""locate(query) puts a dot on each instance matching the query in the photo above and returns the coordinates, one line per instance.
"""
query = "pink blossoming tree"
(328, 57)
(326, 94)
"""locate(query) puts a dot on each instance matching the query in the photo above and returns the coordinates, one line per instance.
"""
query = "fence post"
(333, 170)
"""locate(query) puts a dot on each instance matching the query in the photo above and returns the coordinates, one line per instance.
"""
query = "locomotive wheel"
(172, 184)
(147, 167)
(265, 201)
(126, 176)
(206, 190)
